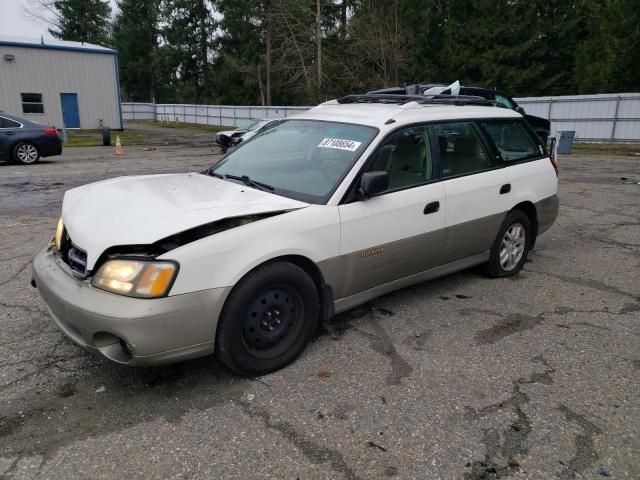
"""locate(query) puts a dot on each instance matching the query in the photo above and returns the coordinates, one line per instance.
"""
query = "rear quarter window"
(6, 123)
(512, 140)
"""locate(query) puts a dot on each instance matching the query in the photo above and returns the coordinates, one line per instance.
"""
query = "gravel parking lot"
(533, 377)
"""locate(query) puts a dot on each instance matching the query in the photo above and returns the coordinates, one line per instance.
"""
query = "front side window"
(301, 159)
(461, 151)
(406, 156)
(32, 103)
(512, 140)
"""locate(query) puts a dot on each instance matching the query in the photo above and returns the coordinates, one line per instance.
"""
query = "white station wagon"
(316, 214)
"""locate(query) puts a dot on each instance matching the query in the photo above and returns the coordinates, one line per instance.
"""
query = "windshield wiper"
(244, 179)
(250, 183)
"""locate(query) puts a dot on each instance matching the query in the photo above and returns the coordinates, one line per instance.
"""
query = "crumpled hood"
(140, 210)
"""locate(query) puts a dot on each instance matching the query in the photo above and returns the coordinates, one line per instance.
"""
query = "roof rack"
(380, 98)
(421, 99)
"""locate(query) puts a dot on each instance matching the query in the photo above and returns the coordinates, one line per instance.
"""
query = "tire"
(268, 319)
(25, 153)
(511, 246)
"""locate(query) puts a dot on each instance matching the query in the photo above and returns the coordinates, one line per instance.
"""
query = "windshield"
(300, 159)
(249, 125)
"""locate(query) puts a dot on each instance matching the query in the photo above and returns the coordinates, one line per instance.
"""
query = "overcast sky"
(14, 22)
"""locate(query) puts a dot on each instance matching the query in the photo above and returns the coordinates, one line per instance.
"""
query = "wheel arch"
(530, 210)
(325, 292)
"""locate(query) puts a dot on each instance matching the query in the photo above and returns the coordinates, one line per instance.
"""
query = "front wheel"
(25, 153)
(511, 246)
(268, 319)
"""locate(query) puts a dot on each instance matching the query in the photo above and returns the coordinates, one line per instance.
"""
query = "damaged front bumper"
(129, 331)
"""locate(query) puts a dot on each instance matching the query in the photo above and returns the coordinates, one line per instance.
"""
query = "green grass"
(630, 149)
(181, 125)
(93, 138)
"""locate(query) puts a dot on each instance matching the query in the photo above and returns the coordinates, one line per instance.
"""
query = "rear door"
(399, 232)
(528, 169)
(476, 188)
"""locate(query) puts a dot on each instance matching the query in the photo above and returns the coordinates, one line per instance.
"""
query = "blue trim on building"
(107, 51)
(117, 63)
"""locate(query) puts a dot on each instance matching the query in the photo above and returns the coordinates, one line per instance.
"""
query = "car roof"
(378, 114)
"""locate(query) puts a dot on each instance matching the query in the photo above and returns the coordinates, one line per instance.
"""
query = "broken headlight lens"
(136, 278)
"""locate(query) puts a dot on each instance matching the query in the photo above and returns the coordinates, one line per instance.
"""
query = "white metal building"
(60, 83)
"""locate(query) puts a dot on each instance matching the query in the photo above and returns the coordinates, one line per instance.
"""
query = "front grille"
(78, 261)
(73, 256)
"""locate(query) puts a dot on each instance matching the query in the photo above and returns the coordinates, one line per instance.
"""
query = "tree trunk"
(262, 99)
(319, 40)
(268, 53)
(343, 19)
(396, 46)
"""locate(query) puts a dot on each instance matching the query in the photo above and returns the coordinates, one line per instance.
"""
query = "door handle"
(432, 207)
(505, 189)
(9, 133)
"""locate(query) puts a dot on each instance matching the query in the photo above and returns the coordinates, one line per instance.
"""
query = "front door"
(399, 232)
(70, 112)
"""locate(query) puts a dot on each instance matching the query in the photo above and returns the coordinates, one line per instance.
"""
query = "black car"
(541, 126)
(22, 141)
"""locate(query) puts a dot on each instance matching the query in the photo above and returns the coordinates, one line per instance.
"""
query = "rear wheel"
(268, 319)
(511, 246)
(26, 153)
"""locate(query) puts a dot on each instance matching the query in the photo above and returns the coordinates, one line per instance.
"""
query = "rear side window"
(461, 151)
(504, 101)
(512, 140)
(6, 123)
(32, 103)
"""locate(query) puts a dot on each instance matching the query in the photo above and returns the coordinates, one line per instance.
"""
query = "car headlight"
(136, 278)
(59, 231)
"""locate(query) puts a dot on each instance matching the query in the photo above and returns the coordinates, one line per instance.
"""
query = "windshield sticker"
(340, 144)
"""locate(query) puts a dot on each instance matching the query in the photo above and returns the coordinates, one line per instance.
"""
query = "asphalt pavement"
(464, 377)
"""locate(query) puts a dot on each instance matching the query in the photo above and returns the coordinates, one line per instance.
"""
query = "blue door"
(70, 113)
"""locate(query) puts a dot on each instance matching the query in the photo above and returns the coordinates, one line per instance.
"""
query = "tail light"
(50, 131)
(552, 155)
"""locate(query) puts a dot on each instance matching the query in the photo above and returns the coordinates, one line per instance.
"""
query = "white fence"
(594, 118)
(139, 111)
(217, 115)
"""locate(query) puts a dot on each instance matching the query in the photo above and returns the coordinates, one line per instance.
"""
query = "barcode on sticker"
(340, 144)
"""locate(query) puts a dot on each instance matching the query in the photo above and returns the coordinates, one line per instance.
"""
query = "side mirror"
(520, 110)
(373, 183)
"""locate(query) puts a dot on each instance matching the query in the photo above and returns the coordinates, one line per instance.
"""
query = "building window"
(32, 103)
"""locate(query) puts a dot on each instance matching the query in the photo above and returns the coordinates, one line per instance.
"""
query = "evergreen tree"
(608, 58)
(135, 36)
(82, 21)
(247, 51)
(186, 51)
(240, 64)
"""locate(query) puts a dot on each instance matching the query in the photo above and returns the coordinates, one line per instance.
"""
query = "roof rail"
(380, 98)
(421, 99)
